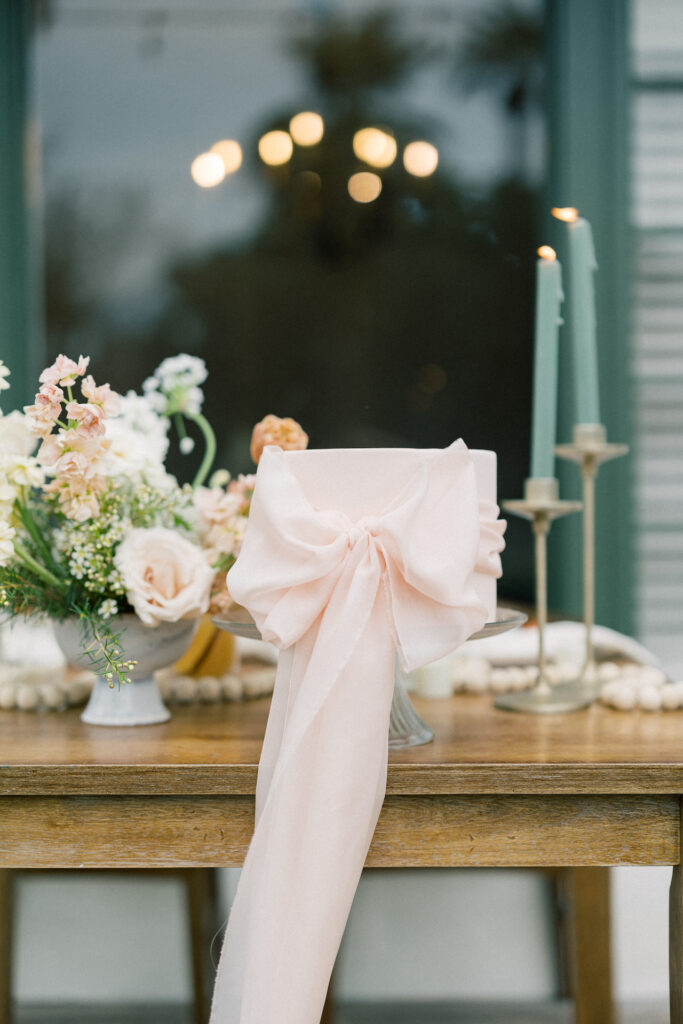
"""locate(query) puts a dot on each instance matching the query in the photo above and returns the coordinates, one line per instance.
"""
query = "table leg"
(590, 952)
(202, 901)
(6, 886)
(676, 946)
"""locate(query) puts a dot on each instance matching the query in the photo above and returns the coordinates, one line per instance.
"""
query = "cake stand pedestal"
(406, 728)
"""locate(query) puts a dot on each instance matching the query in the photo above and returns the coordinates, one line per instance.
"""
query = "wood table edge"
(403, 779)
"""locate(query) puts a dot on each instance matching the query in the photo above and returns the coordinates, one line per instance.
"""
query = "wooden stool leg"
(590, 952)
(676, 946)
(6, 887)
(200, 886)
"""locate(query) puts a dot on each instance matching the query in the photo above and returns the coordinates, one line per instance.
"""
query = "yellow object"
(211, 652)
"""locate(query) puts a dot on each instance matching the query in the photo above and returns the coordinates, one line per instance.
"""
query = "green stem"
(210, 451)
(40, 570)
(33, 531)
(179, 425)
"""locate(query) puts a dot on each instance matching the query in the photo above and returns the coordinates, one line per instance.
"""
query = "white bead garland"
(50, 689)
(642, 687)
(41, 688)
(626, 687)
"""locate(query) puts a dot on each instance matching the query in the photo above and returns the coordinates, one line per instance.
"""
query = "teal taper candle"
(582, 266)
(544, 412)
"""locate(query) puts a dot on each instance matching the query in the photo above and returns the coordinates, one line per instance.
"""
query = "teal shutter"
(20, 305)
(588, 72)
(657, 356)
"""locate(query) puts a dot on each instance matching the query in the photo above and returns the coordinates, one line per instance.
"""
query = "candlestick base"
(590, 446)
(544, 699)
(541, 505)
(541, 501)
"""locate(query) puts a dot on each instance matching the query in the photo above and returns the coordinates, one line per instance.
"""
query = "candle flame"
(546, 253)
(568, 213)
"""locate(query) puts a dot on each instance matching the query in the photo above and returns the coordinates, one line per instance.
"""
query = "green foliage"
(66, 568)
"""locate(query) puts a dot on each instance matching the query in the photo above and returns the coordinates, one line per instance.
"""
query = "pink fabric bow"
(339, 597)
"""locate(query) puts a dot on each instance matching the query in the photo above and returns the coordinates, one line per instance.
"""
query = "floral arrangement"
(91, 523)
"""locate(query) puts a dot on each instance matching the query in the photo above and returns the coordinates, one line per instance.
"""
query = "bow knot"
(367, 526)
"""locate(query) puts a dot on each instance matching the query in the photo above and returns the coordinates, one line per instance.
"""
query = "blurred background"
(337, 205)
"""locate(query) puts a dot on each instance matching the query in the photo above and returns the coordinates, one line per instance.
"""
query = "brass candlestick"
(541, 504)
(589, 449)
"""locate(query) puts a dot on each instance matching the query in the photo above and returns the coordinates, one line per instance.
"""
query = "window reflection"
(335, 206)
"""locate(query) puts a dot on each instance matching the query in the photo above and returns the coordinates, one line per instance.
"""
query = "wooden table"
(594, 788)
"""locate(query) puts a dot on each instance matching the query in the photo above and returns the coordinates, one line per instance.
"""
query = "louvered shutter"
(657, 318)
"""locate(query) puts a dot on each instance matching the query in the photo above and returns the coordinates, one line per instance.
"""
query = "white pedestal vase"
(138, 702)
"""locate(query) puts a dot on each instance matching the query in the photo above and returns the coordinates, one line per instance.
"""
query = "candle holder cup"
(589, 448)
(541, 505)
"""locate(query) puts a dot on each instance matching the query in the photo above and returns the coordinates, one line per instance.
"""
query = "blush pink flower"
(72, 464)
(214, 505)
(285, 433)
(79, 505)
(41, 417)
(242, 489)
(89, 417)
(78, 498)
(102, 396)
(64, 371)
(50, 450)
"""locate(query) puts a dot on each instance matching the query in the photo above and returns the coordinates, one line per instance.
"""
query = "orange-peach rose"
(285, 433)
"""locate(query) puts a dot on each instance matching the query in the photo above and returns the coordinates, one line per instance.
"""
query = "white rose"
(16, 437)
(25, 471)
(166, 577)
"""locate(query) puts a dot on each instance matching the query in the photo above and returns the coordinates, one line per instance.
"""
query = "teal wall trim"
(20, 291)
(588, 60)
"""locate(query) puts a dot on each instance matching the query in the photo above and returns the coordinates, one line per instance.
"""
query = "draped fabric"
(339, 596)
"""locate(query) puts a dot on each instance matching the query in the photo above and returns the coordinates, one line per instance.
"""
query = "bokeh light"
(275, 148)
(364, 187)
(207, 170)
(307, 128)
(420, 159)
(568, 213)
(230, 153)
(375, 147)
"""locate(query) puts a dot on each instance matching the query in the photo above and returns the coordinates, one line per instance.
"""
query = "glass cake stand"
(406, 728)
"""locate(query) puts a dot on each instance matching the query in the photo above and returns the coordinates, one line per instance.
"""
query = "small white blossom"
(108, 609)
(139, 442)
(4, 373)
(186, 445)
(221, 478)
(176, 383)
